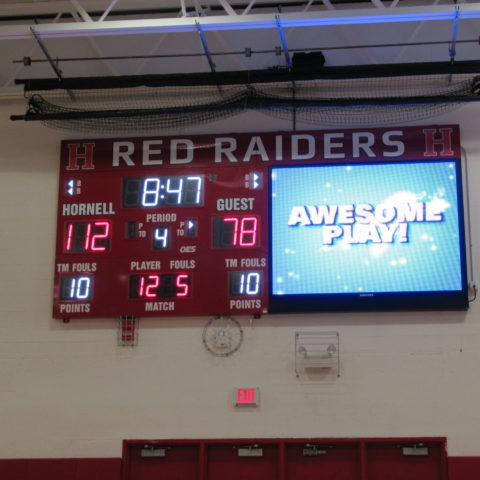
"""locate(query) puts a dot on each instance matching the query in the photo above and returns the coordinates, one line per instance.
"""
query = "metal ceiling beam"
(244, 22)
(227, 7)
(39, 7)
(42, 8)
(81, 11)
(107, 10)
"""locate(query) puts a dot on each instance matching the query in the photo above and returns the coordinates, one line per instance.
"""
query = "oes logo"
(188, 248)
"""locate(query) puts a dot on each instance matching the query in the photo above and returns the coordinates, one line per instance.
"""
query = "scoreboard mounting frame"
(176, 226)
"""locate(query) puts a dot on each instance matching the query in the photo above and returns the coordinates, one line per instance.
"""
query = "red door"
(388, 462)
(181, 462)
(224, 463)
(331, 462)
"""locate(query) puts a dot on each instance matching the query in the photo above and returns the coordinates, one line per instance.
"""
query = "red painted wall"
(61, 469)
(463, 468)
(459, 468)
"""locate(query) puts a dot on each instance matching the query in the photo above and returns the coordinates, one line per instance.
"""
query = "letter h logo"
(443, 140)
(74, 155)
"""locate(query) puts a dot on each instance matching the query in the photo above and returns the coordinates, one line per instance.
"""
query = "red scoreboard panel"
(142, 232)
(172, 226)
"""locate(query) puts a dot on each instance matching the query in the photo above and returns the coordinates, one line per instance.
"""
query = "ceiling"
(71, 38)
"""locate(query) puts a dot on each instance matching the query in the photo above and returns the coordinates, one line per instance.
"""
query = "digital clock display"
(171, 191)
(250, 224)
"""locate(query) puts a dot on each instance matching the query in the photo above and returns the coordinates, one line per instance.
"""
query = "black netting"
(351, 101)
(363, 115)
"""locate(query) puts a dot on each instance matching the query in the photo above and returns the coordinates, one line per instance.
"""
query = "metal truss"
(38, 20)
(222, 15)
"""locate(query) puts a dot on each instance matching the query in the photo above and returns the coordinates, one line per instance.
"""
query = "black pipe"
(27, 61)
(246, 77)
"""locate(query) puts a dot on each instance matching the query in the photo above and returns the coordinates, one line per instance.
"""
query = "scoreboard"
(139, 237)
(173, 226)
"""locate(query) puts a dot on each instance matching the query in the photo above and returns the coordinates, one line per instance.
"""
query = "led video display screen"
(368, 236)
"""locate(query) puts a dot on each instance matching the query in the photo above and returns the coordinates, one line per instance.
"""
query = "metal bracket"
(203, 40)
(311, 450)
(127, 329)
(57, 71)
(417, 450)
(53, 64)
(149, 450)
(451, 50)
(284, 42)
(250, 450)
(317, 351)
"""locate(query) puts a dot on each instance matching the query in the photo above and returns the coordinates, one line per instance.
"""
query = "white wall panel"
(67, 390)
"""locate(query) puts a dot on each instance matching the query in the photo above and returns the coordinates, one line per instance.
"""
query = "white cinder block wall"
(68, 390)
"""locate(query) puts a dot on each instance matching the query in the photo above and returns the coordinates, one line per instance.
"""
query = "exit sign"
(247, 396)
